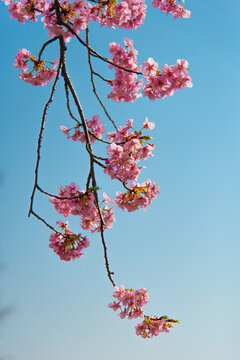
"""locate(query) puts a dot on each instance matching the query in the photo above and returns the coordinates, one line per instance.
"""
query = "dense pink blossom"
(83, 204)
(40, 73)
(125, 86)
(129, 302)
(126, 150)
(160, 84)
(172, 6)
(139, 196)
(128, 14)
(95, 126)
(25, 10)
(67, 246)
(74, 13)
(153, 326)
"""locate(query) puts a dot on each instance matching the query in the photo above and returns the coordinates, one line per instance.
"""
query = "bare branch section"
(45, 45)
(68, 104)
(93, 83)
(41, 135)
(95, 53)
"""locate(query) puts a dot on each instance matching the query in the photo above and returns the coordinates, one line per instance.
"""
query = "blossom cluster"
(74, 13)
(96, 130)
(138, 196)
(40, 73)
(125, 85)
(153, 326)
(160, 84)
(129, 302)
(128, 14)
(172, 6)
(126, 150)
(82, 203)
(25, 10)
(68, 246)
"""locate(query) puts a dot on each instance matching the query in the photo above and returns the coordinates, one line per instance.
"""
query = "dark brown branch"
(68, 104)
(101, 77)
(42, 220)
(60, 197)
(94, 184)
(99, 157)
(45, 45)
(97, 138)
(95, 53)
(41, 135)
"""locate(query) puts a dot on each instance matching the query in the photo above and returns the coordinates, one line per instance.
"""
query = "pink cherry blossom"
(153, 326)
(95, 126)
(148, 125)
(83, 204)
(39, 67)
(172, 6)
(125, 151)
(139, 196)
(165, 82)
(68, 246)
(128, 14)
(125, 86)
(130, 302)
(25, 10)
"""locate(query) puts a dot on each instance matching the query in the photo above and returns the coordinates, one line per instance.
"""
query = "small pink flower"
(148, 125)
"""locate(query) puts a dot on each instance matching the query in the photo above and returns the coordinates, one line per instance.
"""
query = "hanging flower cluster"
(160, 84)
(175, 7)
(68, 246)
(153, 326)
(125, 86)
(130, 302)
(125, 14)
(40, 73)
(126, 150)
(139, 196)
(95, 127)
(83, 204)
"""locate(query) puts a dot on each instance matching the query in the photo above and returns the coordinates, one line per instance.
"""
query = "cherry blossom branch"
(88, 147)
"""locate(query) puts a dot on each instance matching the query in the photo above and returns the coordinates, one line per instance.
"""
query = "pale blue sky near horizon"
(184, 248)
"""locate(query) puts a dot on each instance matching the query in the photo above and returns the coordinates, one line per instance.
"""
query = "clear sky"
(184, 248)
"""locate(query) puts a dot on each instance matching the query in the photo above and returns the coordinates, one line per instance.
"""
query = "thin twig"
(101, 77)
(96, 54)
(68, 104)
(99, 157)
(41, 135)
(97, 138)
(44, 46)
(60, 197)
(93, 84)
(41, 219)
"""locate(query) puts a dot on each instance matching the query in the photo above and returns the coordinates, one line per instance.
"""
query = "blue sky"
(184, 248)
